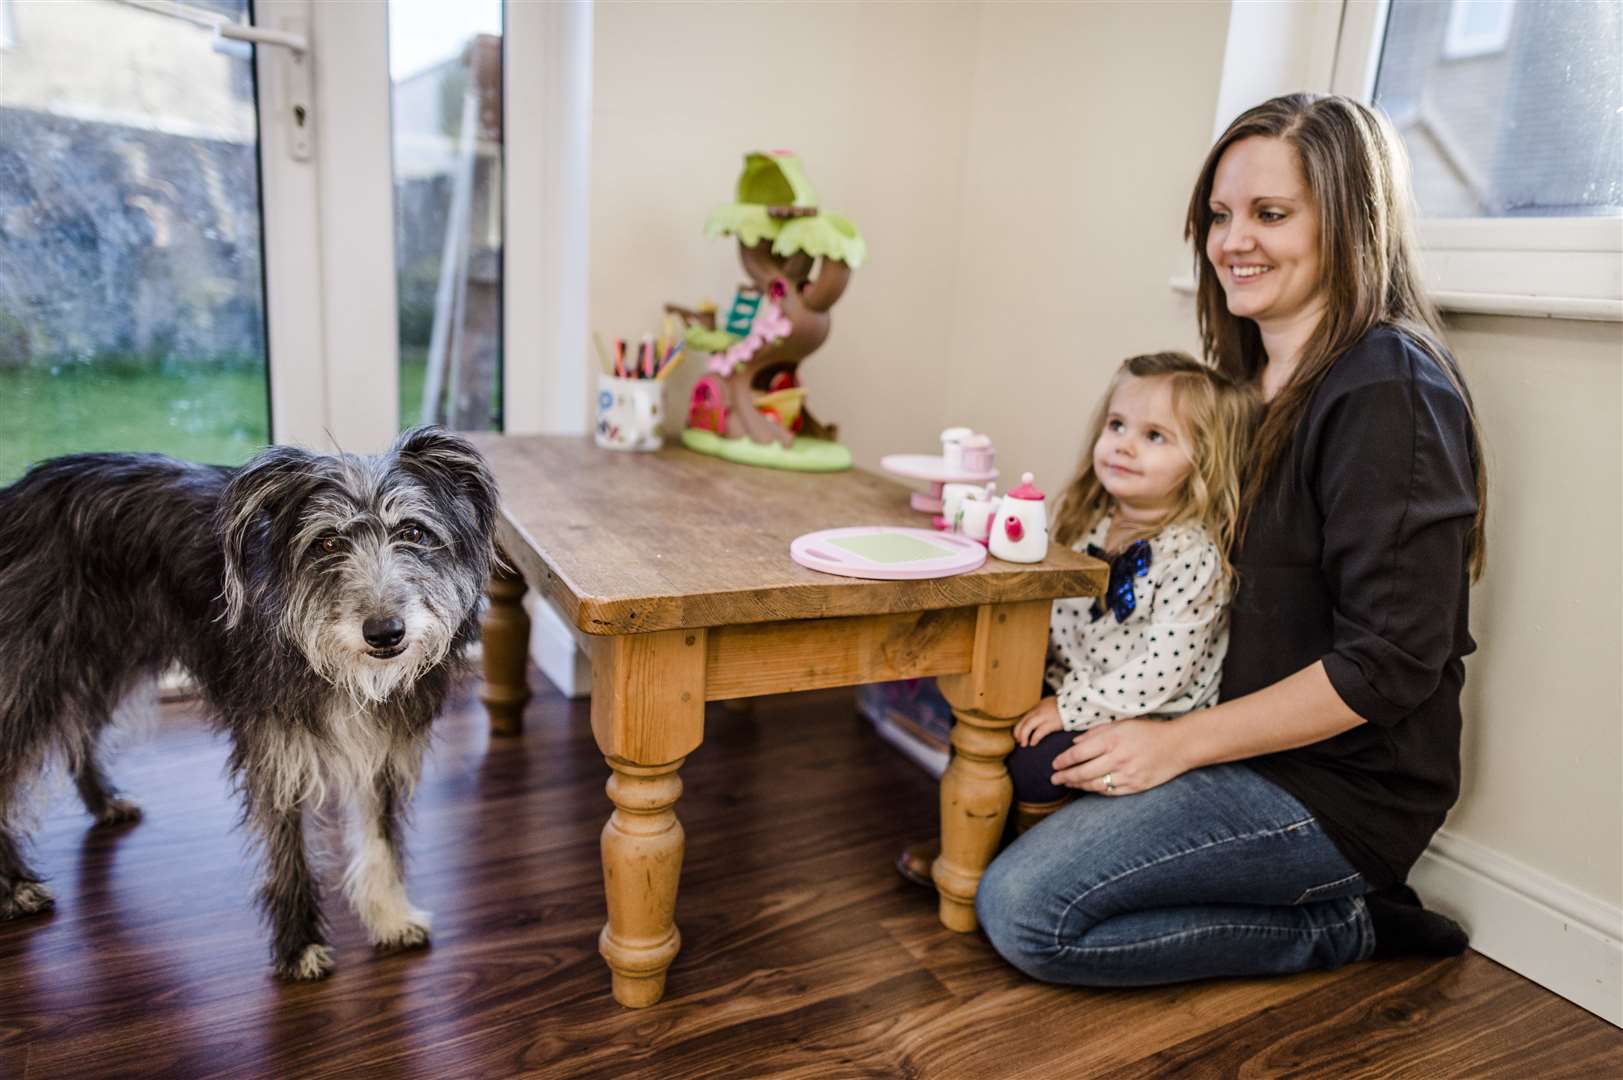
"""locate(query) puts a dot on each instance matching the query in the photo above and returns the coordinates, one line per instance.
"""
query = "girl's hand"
(1041, 722)
(1122, 758)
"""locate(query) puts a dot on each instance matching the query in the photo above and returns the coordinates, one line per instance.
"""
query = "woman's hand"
(1041, 722)
(1122, 758)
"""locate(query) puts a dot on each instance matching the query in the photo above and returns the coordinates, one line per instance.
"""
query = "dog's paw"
(119, 811)
(410, 933)
(313, 962)
(25, 898)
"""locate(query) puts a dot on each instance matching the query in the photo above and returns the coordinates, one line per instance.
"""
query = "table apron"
(810, 654)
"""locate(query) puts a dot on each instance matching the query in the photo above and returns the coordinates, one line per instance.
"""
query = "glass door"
(198, 240)
(445, 69)
(132, 286)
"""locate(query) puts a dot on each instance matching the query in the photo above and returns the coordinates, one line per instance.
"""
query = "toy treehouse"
(749, 407)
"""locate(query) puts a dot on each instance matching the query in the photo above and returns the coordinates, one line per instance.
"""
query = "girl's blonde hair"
(1218, 415)
(1358, 174)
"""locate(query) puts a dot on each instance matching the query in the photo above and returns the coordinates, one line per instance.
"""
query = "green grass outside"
(413, 373)
(214, 414)
(209, 413)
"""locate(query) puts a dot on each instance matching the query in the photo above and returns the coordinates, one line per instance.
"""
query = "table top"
(629, 542)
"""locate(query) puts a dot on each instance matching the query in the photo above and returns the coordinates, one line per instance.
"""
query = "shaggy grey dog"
(320, 603)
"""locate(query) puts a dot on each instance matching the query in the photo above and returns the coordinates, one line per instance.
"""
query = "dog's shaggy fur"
(320, 603)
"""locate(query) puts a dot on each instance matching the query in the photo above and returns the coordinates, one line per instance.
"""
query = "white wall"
(1544, 694)
(1082, 144)
(1021, 173)
(873, 97)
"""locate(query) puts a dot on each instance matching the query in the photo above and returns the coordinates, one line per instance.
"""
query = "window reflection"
(445, 63)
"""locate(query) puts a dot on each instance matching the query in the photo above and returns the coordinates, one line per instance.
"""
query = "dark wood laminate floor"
(803, 954)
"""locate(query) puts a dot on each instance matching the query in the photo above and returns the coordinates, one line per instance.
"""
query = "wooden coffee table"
(678, 567)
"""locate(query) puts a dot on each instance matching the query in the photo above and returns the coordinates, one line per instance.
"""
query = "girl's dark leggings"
(1031, 766)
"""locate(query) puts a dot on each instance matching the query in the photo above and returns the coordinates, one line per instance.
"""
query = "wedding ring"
(1109, 786)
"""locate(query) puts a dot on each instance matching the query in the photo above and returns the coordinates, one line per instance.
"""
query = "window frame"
(330, 304)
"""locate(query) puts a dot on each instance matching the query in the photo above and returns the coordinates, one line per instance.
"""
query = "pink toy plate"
(887, 552)
(932, 468)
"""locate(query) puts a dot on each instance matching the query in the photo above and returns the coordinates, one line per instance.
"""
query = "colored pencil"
(670, 363)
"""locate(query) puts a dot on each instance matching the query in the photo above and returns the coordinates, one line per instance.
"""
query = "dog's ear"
(268, 489)
(449, 465)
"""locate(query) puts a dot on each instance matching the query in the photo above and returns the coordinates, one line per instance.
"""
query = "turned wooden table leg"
(642, 862)
(505, 638)
(1006, 679)
(647, 716)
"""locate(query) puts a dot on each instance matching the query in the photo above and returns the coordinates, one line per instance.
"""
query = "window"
(446, 71)
(1477, 27)
(132, 311)
(1530, 126)
(1512, 113)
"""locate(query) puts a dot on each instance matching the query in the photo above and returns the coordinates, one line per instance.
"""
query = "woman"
(1273, 832)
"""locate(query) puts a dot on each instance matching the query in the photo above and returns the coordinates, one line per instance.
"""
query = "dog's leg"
(375, 881)
(103, 802)
(291, 900)
(20, 890)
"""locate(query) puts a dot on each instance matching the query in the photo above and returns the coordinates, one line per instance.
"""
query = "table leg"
(1006, 678)
(505, 640)
(647, 716)
(642, 862)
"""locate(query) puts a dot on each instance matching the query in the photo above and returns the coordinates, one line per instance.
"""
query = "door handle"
(293, 80)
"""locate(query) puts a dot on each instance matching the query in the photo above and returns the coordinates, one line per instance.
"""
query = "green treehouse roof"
(777, 179)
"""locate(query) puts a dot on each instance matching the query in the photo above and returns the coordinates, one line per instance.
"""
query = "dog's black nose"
(383, 633)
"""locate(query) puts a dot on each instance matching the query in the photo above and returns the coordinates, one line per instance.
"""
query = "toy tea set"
(969, 520)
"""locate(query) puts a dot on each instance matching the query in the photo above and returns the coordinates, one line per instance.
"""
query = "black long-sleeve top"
(1357, 555)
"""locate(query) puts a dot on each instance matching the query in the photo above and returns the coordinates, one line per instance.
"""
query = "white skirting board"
(557, 650)
(1538, 927)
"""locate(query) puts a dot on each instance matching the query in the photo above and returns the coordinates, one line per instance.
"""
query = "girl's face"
(1143, 454)
(1264, 236)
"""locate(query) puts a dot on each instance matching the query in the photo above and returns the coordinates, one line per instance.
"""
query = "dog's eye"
(412, 534)
(331, 544)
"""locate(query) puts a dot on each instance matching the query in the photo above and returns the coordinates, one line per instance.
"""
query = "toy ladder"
(746, 302)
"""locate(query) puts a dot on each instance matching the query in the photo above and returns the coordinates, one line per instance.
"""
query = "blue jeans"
(1215, 873)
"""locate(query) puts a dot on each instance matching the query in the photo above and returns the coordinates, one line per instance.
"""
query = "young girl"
(1157, 495)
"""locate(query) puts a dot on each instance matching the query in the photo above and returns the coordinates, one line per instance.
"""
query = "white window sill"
(1481, 303)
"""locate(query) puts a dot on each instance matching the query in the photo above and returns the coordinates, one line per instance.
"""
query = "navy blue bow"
(1130, 564)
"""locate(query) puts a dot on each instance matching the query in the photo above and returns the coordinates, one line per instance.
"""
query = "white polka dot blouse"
(1165, 658)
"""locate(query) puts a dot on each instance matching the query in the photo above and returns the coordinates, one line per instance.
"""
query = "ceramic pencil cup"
(629, 413)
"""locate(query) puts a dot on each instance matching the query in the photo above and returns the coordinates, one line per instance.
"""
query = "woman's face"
(1264, 237)
(1143, 454)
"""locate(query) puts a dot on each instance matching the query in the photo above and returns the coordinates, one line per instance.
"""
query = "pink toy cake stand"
(931, 467)
(886, 552)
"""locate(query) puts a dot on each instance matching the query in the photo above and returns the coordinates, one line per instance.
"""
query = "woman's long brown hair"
(1358, 174)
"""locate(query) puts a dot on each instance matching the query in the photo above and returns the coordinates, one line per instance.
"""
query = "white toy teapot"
(1020, 530)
